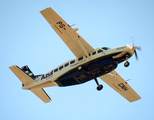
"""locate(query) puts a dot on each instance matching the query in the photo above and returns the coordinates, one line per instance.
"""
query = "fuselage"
(103, 60)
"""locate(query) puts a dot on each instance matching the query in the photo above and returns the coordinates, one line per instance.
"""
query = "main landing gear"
(99, 86)
(126, 64)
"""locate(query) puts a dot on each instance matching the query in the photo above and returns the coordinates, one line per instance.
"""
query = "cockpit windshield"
(106, 48)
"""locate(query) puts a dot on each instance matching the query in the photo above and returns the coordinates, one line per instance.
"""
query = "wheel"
(126, 64)
(80, 67)
(99, 87)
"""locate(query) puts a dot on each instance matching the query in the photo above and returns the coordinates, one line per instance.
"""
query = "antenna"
(73, 25)
(127, 80)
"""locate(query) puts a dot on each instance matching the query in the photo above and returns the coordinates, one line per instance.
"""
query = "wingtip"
(48, 101)
(12, 66)
(45, 9)
(135, 99)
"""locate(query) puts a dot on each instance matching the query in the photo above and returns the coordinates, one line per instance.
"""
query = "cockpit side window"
(99, 51)
(106, 48)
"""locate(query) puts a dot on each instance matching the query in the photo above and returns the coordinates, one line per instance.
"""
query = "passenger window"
(99, 51)
(61, 67)
(73, 61)
(94, 53)
(66, 64)
(56, 70)
(80, 58)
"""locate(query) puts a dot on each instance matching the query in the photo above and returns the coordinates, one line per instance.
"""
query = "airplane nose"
(135, 47)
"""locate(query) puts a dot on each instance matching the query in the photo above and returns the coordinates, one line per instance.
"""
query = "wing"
(71, 38)
(114, 80)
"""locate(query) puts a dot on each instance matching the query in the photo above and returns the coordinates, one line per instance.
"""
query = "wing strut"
(83, 48)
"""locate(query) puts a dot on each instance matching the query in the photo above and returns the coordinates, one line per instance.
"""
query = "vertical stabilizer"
(27, 70)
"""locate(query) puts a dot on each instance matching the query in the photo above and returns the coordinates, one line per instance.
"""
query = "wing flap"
(115, 81)
(39, 92)
(24, 78)
(66, 33)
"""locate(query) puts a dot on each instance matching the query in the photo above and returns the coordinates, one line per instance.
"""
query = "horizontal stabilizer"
(39, 92)
(24, 78)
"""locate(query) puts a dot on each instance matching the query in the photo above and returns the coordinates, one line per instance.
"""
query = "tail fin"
(27, 70)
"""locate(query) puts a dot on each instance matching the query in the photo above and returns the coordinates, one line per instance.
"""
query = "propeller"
(135, 47)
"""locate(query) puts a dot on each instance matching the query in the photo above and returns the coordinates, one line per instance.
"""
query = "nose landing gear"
(126, 64)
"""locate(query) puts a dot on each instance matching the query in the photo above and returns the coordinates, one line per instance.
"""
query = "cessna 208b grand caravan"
(89, 64)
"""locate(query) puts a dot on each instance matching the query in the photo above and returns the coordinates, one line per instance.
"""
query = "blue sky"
(27, 39)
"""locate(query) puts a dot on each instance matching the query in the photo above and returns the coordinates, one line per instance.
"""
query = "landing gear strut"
(126, 64)
(99, 86)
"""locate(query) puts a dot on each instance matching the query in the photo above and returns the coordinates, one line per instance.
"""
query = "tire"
(126, 64)
(99, 87)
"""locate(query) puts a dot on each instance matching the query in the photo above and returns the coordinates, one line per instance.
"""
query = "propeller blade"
(132, 40)
(136, 54)
(135, 48)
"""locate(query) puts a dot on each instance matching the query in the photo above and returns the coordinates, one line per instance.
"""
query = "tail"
(27, 70)
(26, 77)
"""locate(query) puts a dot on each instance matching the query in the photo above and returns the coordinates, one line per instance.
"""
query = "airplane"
(89, 64)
